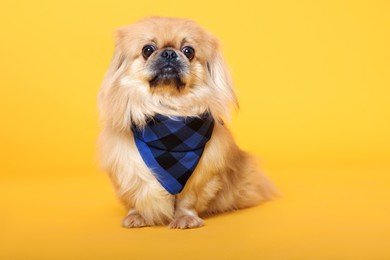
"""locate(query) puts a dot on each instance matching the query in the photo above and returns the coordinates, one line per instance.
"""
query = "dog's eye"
(147, 50)
(189, 52)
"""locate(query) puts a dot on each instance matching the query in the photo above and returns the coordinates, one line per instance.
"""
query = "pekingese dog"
(163, 103)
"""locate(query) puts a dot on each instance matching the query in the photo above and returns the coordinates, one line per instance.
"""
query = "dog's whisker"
(196, 76)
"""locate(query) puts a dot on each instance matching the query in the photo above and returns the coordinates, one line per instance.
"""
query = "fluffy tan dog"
(174, 68)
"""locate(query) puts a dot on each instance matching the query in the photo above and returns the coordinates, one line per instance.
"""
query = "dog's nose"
(169, 54)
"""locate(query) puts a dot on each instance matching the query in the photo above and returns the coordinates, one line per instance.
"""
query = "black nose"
(169, 54)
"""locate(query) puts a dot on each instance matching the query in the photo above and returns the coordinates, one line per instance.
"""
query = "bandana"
(171, 147)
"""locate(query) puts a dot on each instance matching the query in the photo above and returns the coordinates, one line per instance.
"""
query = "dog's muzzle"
(168, 70)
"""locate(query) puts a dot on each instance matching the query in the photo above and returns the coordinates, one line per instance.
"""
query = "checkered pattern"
(172, 146)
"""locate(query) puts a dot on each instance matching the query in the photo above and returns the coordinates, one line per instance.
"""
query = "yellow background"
(313, 80)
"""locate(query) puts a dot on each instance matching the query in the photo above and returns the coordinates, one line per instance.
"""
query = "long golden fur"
(226, 178)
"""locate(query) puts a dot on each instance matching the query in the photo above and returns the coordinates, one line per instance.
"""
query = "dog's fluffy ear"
(115, 70)
(221, 80)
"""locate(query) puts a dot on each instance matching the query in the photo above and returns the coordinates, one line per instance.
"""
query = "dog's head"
(165, 65)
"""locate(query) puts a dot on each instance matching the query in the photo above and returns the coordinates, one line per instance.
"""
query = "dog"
(164, 144)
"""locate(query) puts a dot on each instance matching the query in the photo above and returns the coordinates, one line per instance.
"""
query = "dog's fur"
(226, 178)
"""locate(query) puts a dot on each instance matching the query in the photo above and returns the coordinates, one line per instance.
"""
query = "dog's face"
(167, 53)
(169, 66)
(170, 60)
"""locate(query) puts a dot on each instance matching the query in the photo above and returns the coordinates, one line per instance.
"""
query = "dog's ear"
(221, 80)
(116, 68)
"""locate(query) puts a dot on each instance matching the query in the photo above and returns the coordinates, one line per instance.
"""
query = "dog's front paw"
(184, 222)
(133, 220)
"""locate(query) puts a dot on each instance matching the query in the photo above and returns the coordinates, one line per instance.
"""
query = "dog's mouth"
(167, 76)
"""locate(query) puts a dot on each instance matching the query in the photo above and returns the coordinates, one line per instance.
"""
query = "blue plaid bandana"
(172, 146)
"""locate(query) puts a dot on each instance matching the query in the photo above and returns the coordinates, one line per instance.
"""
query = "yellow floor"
(325, 213)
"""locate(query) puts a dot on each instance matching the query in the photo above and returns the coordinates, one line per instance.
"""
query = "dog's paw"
(133, 220)
(186, 221)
